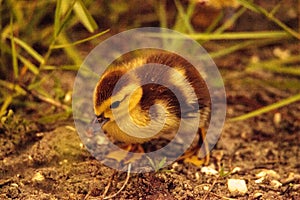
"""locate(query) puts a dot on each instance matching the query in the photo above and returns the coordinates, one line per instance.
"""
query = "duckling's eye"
(115, 104)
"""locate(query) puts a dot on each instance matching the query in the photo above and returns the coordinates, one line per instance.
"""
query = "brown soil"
(38, 162)
(54, 165)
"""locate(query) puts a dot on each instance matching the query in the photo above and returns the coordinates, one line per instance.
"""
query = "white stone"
(197, 175)
(235, 170)
(269, 173)
(282, 53)
(14, 185)
(209, 171)
(237, 187)
(206, 188)
(276, 184)
(257, 195)
(277, 119)
(260, 180)
(38, 177)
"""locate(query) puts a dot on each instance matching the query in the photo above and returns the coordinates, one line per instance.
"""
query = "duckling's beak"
(94, 127)
(101, 119)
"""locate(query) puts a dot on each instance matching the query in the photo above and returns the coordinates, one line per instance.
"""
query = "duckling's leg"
(135, 148)
(195, 154)
(123, 153)
(205, 145)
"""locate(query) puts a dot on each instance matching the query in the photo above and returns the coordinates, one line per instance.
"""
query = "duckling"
(147, 97)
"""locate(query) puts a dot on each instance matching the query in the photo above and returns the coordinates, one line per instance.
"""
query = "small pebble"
(269, 173)
(38, 177)
(14, 185)
(175, 165)
(254, 59)
(41, 134)
(30, 158)
(237, 187)
(277, 119)
(276, 184)
(260, 180)
(209, 171)
(281, 53)
(257, 195)
(206, 188)
(68, 97)
(81, 146)
(197, 175)
(65, 161)
(235, 170)
(296, 187)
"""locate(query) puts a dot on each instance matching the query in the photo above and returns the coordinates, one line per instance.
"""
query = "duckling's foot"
(123, 154)
(195, 155)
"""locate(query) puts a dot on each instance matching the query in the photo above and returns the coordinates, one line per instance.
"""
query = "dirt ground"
(50, 162)
(55, 165)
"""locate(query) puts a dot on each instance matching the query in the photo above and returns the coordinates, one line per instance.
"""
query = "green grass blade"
(12, 87)
(276, 8)
(295, 71)
(151, 163)
(270, 16)
(215, 23)
(29, 50)
(239, 35)
(190, 9)
(71, 51)
(54, 117)
(162, 163)
(16, 11)
(79, 41)
(62, 67)
(5, 105)
(13, 51)
(267, 108)
(231, 21)
(162, 14)
(66, 18)
(248, 4)
(57, 18)
(273, 62)
(242, 45)
(231, 49)
(227, 35)
(183, 16)
(84, 16)
(277, 66)
(36, 85)
(29, 64)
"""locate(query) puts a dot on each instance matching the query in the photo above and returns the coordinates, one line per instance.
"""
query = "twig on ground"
(108, 185)
(46, 99)
(123, 186)
(210, 189)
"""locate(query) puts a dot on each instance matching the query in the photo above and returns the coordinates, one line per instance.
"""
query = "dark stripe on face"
(107, 85)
